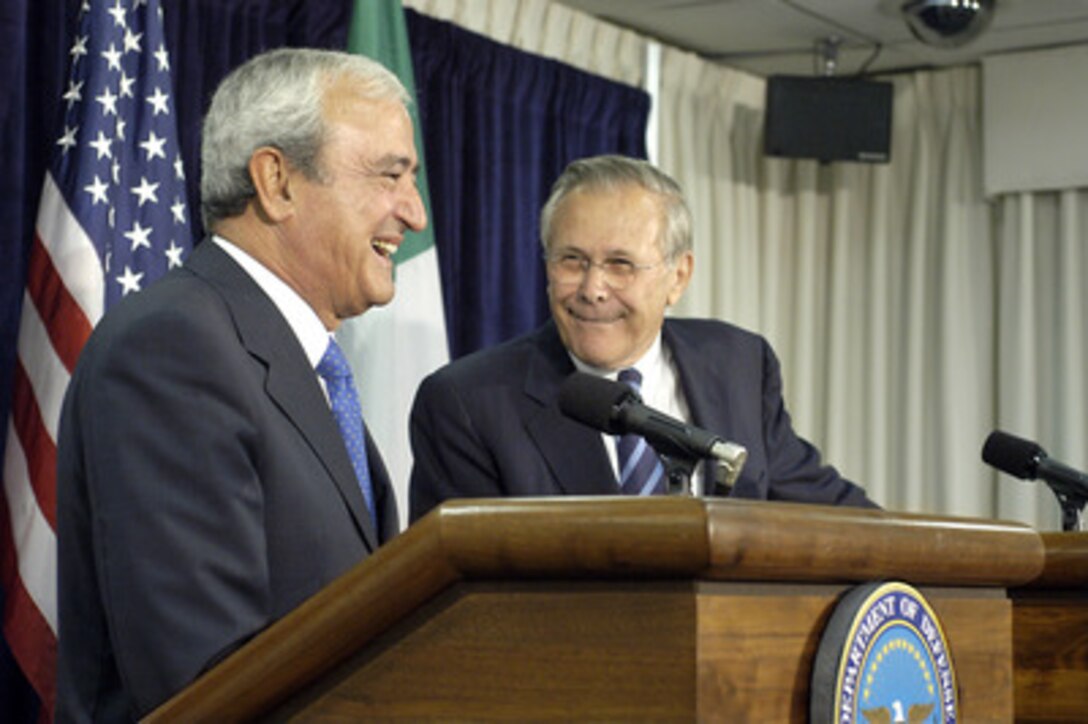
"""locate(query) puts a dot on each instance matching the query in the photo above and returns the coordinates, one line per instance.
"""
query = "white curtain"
(912, 315)
(873, 282)
(1041, 352)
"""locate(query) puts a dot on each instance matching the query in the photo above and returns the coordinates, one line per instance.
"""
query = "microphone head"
(594, 401)
(1013, 455)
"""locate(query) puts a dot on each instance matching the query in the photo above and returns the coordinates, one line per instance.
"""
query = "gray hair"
(610, 172)
(275, 99)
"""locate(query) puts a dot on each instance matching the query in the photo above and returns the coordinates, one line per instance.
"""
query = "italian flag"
(392, 348)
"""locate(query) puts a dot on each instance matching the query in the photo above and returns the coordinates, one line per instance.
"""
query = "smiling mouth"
(592, 320)
(383, 248)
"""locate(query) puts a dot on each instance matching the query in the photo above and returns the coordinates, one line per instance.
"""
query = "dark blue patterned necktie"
(336, 372)
(641, 472)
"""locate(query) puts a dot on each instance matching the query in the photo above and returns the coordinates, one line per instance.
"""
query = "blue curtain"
(499, 125)
(208, 38)
(33, 57)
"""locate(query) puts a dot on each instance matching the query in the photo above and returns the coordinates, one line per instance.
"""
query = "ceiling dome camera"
(948, 23)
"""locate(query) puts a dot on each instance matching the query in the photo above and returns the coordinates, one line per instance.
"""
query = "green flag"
(378, 31)
(392, 348)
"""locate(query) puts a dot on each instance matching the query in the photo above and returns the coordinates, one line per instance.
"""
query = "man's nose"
(412, 211)
(594, 283)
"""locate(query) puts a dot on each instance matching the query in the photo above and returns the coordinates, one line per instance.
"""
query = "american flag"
(112, 219)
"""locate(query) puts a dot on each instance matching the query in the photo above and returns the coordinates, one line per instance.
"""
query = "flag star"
(142, 233)
(97, 190)
(113, 57)
(108, 101)
(163, 57)
(102, 146)
(154, 146)
(79, 47)
(126, 86)
(173, 255)
(129, 281)
(146, 191)
(74, 94)
(158, 102)
(68, 139)
(132, 41)
(178, 210)
(139, 236)
(118, 14)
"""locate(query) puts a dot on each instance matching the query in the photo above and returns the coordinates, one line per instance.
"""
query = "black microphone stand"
(1071, 513)
(680, 467)
(1069, 486)
(678, 472)
(1072, 503)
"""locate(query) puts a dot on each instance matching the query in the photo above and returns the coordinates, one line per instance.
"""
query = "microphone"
(615, 408)
(1027, 460)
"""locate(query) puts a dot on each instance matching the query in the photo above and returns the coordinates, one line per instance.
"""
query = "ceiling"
(767, 37)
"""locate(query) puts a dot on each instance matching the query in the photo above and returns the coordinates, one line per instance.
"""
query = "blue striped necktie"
(641, 472)
(336, 372)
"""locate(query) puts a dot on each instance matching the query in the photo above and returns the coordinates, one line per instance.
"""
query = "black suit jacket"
(489, 425)
(203, 489)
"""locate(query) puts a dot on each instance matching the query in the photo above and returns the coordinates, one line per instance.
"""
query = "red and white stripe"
(64, 299)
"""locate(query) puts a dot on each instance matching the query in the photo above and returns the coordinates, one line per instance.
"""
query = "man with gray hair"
(616, 233)
(213, 468)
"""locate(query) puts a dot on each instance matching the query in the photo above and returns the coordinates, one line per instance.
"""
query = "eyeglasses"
(570, 267)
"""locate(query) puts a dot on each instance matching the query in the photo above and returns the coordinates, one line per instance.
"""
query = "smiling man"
(213, 471)
(617, 245)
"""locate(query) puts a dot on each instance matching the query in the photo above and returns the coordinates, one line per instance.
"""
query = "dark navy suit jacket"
(203, 489)
(489, 425)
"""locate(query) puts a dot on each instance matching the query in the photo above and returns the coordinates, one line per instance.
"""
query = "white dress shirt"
(661, 390)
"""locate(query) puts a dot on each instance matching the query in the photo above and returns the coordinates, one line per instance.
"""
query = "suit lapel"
(707, 397)
(573, 452)
(291, 383)
(305, 406)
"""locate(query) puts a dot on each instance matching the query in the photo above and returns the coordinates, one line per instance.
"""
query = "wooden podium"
(1050, 634)
(617, 609)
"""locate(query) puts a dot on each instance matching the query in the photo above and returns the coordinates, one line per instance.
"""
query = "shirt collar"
(300, 316)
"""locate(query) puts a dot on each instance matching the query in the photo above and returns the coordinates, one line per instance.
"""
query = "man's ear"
(272, 181)
(681, 276)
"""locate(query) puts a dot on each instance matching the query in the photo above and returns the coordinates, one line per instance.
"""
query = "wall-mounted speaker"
(828, 119)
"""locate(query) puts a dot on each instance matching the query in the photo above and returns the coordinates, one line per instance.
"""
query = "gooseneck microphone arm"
(1027, 460)
(615, 408)
(679, 445)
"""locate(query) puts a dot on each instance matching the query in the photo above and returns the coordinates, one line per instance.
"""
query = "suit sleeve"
(164, 419)
(795, 470)
(450, 460)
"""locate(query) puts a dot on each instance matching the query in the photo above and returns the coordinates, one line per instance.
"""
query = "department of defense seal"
(883, 658)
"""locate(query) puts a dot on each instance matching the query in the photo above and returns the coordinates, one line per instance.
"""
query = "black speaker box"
(828, 119)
